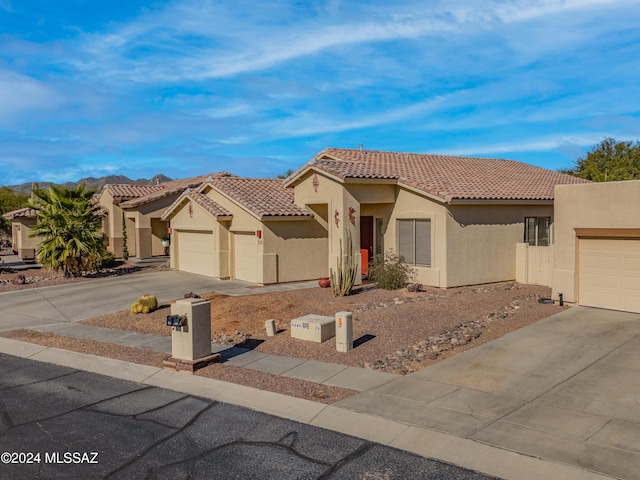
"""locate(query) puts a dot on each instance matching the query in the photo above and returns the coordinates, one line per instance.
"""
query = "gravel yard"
(394, 331)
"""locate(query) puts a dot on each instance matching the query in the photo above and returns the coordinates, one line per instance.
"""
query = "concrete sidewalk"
(559, 399)
(322, 373)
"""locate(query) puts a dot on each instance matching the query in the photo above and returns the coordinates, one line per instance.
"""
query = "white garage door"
(195, 253)
(246, 256)
(609, 274)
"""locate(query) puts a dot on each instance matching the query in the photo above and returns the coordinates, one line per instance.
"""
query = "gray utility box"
(315, 328)
(192, 340)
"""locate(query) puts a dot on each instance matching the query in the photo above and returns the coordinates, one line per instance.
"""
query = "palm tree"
(69, 223)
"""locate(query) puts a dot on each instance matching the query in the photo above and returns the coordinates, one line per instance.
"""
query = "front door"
(366, 241)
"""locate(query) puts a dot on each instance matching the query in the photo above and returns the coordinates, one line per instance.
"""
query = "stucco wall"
(411, 206)
(23, 244)
(299, 248)
(331, 193)
(481, 241)
(596, 205)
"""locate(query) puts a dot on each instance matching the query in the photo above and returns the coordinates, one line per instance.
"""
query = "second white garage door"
(246, 256)
(195, 253)
(609, 274)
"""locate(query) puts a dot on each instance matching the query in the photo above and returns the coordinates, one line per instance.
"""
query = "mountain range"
(93, 182)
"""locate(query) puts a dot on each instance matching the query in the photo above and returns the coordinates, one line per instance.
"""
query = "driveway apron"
(566, 389)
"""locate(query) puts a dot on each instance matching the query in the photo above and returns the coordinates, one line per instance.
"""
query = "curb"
(448, 448)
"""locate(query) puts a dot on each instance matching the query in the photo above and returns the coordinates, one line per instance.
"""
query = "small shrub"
(145, 304)
(107, 261)
(390, 271)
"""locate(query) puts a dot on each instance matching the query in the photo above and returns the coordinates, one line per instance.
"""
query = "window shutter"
(406, 247)
(423, 242)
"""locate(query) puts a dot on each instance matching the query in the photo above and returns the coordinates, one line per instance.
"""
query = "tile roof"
(444, 176)
(263, 197)
(128, 191)
(172, 187)
(200, 199)
(208, 205)
(20, 213)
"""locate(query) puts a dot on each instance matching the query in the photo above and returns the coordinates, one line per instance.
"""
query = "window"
(537, 231)
(414, 241)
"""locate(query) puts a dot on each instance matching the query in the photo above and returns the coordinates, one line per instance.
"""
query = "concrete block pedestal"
(191, 342)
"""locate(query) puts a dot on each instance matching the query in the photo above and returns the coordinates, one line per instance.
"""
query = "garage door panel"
(196, 253)
(609, 274)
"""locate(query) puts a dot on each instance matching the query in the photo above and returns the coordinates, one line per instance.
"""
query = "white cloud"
(22, 94)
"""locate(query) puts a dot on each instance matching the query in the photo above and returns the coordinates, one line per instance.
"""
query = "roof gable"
(170, 188)
(207, 204)
(262, 197)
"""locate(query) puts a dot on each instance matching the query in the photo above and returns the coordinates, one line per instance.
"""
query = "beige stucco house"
(142, 207)
(21, 222)
(458, 220)
(597, 245)
(247, 229)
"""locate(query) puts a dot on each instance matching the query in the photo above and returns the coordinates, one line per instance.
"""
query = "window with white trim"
(414, 241)
(537, 231)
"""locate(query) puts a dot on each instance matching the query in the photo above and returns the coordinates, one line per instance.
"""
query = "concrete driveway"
(566, 389)
(78, 301)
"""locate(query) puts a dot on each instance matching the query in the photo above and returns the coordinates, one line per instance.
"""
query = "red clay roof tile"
(446, 177)
(263, 196)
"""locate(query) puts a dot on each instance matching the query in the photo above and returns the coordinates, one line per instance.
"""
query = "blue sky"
(92, 88)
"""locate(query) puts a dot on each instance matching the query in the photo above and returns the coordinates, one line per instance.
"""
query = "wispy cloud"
(187, 83)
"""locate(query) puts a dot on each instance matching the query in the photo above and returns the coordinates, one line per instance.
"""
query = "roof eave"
(499, 201)
(285, 218)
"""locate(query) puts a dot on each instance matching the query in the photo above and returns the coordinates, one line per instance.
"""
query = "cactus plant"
(344, 278)
(145, 304)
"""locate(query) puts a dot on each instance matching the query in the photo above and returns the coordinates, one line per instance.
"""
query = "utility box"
(192, 340)
(315, 328)
(344, 331)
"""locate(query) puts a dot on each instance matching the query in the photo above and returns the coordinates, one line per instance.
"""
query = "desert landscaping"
(394, 331)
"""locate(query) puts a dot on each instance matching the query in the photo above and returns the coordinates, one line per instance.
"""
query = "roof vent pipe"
(360, 148)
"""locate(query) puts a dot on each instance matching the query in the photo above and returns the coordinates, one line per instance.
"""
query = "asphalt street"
(58, 422)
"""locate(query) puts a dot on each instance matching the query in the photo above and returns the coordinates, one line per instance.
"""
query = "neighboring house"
(21, 222)
(247, 229)
(142, 207)
(597, 235)
(458, 220)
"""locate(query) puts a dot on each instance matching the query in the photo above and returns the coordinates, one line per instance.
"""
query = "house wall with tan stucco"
(328, 191)
(294, 251)
(149, 229)
(607, 205)
(481, 241)
(23, 244)
(113, 231)
(409, 206)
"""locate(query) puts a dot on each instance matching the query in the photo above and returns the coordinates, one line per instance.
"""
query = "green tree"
(608, 161)
(69, 224)
(286, 174)
(10, 201)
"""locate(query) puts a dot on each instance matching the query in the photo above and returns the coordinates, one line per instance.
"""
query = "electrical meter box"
(315, 328)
